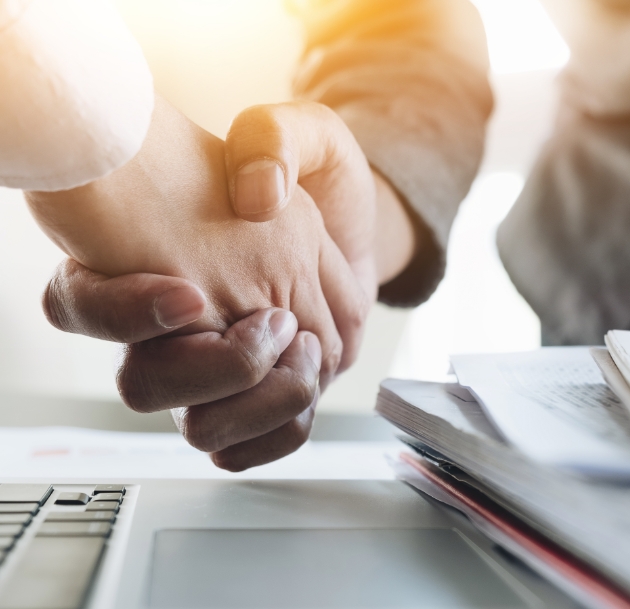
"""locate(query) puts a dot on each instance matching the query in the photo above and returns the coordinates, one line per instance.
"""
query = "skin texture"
(245, 406)
(317, 152)
(158, 370)
(170, 215)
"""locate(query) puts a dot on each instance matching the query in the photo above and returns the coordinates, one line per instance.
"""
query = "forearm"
(129, 221)
(395, 240)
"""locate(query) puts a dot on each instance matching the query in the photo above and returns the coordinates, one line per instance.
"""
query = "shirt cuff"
(73, 113)
(10, 12)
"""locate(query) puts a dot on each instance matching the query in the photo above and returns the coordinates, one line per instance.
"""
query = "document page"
(618, 343)
(554, 405)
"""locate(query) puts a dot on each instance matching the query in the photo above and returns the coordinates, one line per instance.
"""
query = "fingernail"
(283, 326)
(259, 187)
(179, 306)
(314, 349)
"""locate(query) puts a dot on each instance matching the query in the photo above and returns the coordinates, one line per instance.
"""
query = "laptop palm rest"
(321, 568)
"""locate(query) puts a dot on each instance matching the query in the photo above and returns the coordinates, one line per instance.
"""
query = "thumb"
(262, 162)
(269, 149)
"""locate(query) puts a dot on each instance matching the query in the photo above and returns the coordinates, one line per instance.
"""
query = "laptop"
(191, 544)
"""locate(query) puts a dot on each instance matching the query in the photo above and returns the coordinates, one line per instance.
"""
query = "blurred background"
(213, 58)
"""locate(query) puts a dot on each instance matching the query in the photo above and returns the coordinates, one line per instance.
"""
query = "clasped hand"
(238, 274)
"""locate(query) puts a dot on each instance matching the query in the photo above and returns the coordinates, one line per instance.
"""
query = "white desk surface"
(70, 452)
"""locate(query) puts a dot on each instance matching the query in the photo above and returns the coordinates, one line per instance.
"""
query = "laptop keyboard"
(52, 540)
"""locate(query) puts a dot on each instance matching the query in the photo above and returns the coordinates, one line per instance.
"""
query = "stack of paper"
(554, 406)
(614, 362)
(514, 534)
(618, 343)
(543, 439)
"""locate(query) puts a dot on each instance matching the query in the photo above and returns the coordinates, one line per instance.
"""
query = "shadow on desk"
(20, 410)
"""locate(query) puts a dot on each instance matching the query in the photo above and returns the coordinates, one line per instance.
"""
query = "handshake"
(239, 274)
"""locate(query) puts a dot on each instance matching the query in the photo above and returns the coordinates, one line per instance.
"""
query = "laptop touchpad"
(314, 568)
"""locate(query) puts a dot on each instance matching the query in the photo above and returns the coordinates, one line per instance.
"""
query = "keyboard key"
(6, 543)
(53, 572)
(23, 519)
(19, 508)
(109, 497)
(10, 530)
(72, 499)
(25, 493)
(102, 505)
(74, 529)
(105, 516)
(109, 488)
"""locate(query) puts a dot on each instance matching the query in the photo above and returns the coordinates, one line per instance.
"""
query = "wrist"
(395, 238)
(130, 220)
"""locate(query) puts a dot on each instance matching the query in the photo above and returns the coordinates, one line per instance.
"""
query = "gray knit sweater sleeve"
(409, 77)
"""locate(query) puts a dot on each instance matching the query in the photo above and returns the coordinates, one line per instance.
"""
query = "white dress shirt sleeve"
(76, 94)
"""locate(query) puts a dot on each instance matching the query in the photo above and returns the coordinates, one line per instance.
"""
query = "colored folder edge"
(570, 574)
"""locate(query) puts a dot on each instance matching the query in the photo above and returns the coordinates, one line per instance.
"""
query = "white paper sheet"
(65, 452)
(618, 343)
(554, 405)
(612, 374)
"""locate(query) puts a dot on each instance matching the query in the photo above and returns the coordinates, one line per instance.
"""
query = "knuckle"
(256, 129)
(357, 316)
(189, 428)
(298, 433)
(364, 307)
(136, 385)
(192, 432)
(251, 368)
(201, 434)
(115, 325)
(301, 393)
(53, 303)
(50, 305)
(260, 117)
(332, 360)
(227, 462)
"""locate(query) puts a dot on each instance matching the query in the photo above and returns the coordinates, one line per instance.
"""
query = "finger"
(318, 319)
(270, 148)
(176, 371)
(270, 447)
(347, 300)
(286, 391)
(126, 309)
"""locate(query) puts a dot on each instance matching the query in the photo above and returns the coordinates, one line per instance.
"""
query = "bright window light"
(476, 308)
(521, 36)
